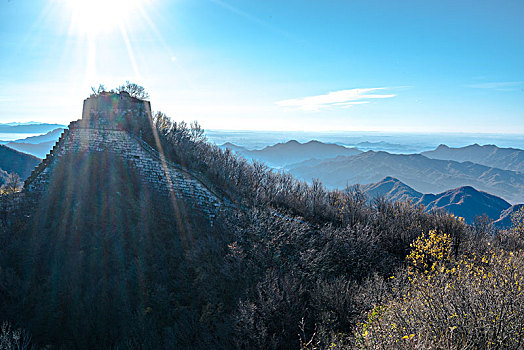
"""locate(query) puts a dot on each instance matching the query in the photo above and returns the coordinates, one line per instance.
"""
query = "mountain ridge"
(489, 155)
(464, 201)
(283, 154)
(419, 172)
(29, 128)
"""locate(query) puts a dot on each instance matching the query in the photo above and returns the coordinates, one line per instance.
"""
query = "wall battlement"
(109, 124)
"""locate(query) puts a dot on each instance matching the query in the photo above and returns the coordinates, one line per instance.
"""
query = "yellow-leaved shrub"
(475, 302)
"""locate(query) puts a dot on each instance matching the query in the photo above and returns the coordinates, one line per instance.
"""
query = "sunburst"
(93, 17)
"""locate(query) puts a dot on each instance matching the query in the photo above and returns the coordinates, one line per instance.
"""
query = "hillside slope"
(39, 150)
(12, 161)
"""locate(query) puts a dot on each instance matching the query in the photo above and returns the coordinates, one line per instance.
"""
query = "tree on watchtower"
(133, 90)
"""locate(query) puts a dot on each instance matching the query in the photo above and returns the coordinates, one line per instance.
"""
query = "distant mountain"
(12, 161)
(424, 174)
(385, 146)
(38, 146)
(489, 155)
(19, 123)
(463, 201)
(391, 189)
(29, 128)
(52, 135)
(466, 202)
(234, 148)
(39, 150)
(282, 154)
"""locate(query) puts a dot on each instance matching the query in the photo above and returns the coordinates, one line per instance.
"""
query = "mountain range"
(37, 146)
(28, 128)
(465, 201)
(283, 154)
(489, 155)
(423, 174)
(486, 168)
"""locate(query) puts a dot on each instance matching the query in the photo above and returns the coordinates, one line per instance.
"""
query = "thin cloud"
(500, 85)
(334, 99)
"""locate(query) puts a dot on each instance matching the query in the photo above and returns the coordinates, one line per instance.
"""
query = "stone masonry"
(103, 127)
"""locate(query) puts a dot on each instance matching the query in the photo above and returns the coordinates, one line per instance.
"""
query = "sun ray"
(129, 49)
(90, 71)
(179, 210)
(155, 30)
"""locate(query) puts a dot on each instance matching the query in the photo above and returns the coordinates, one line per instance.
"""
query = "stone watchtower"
(116, 122)
(114, 111)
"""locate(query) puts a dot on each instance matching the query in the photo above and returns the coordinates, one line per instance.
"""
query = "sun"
(92, 17)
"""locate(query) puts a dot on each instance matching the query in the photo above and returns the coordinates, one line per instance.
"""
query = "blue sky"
(410, 66)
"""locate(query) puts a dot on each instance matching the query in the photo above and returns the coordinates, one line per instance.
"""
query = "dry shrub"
(475, 302)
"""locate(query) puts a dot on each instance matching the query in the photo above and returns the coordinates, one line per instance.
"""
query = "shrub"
(473, 302)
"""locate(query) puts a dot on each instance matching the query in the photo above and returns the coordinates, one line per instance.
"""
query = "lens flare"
(91, 17)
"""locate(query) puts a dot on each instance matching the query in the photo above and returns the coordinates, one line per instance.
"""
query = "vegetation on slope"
(105, 261)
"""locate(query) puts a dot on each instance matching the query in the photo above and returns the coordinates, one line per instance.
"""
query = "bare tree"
(97, 91)
(13, 184)
(133, 90)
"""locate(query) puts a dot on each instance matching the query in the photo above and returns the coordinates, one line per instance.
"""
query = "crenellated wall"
(86, 136)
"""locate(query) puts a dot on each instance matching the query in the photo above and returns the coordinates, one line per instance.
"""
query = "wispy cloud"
(334, 99)
(500, 85)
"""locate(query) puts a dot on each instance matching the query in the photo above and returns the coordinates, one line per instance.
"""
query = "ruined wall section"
(170, 179)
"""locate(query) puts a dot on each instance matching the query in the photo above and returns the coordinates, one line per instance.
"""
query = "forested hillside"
(104, 261)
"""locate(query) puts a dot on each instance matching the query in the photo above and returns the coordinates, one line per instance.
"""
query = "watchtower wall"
(104, 127)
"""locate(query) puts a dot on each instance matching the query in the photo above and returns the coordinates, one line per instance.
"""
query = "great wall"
(109, 124)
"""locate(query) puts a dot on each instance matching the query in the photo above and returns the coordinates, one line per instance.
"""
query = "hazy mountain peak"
(442, 147)
(488, 155)
(292, 152)
(390, 178)
(313, 142)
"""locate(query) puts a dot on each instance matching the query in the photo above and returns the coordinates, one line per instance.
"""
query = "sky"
(390, 66)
